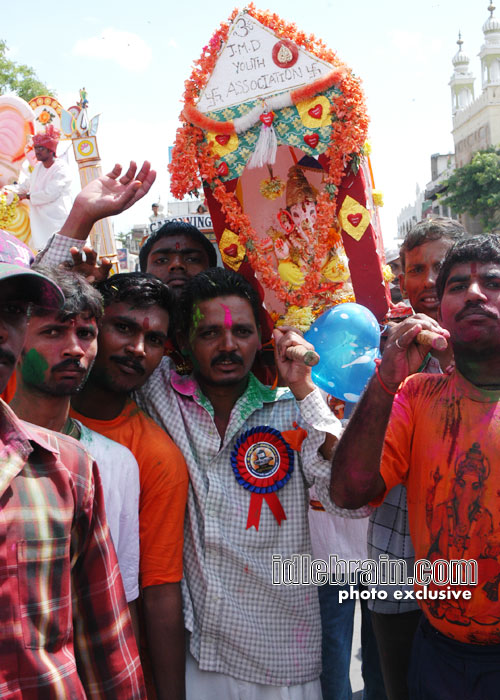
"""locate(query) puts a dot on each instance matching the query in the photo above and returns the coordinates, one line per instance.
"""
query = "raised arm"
(297, 375)
(356, 478)
(107, 195)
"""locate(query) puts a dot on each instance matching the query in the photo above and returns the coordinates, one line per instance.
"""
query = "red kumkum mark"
(145, 323)
(177, 246)
(473, 268)
(228, 319)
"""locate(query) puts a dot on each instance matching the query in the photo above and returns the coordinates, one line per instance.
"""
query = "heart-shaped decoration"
(354, 219)
(231, 250)
(222, 139)
(267, 118)
(312, 140)
(222, 169)
(316, 111)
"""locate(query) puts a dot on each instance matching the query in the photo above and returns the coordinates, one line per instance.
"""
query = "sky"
(133, 59)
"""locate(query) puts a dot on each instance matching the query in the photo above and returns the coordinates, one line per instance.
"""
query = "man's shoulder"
(156, 452)
(60, 164)
(137, 417)
(423, 383)
(54, 440)
(104, 449)
(155, 441)
(69, 453)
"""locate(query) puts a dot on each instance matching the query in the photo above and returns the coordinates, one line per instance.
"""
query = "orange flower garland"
(192, 158)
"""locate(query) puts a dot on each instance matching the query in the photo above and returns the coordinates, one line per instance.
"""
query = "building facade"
(476, 125)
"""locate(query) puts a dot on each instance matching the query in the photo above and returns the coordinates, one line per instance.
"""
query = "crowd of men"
(149, 479)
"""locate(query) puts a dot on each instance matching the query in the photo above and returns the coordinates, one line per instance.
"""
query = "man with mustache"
(252, 452)
(66, 632)
(132, 334)
(174, 253)
(59, 351)
(396, 620)
(439, 435)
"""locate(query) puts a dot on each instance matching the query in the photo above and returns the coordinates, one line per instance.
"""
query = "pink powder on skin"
(228, 319)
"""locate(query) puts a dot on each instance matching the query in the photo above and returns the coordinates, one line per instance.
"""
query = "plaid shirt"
(65, 631)
(56, 250)
(389, 533)
(241, 624)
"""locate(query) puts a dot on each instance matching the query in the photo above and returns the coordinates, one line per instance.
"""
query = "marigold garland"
(193, 158)
(8, 205)
(319, 85)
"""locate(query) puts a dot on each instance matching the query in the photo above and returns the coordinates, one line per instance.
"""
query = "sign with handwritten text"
(255, 63)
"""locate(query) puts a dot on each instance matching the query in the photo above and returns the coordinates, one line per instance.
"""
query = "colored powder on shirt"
(184, 385)
(33, 367)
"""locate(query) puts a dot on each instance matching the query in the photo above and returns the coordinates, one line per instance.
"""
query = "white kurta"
(50, 200)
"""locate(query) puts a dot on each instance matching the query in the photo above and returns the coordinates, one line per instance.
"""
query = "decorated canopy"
(274, 127)
(17, 125)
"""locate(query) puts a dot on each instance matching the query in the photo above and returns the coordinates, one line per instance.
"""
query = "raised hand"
(295, 373)
(107, 195)
(111, 194)
(90, 268)
(407, 345)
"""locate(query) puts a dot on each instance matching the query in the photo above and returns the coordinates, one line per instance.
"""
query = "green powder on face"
(195, 320)
(197, 317)
(33, 367)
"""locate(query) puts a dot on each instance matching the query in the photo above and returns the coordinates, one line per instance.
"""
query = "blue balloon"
(347, 338)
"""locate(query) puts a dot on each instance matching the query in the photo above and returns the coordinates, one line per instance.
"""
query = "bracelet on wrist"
(381, 381)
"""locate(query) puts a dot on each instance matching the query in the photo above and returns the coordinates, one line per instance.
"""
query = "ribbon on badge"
(262, 462)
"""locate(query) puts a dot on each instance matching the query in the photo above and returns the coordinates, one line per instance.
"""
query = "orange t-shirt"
(443, 443)
(164, 483)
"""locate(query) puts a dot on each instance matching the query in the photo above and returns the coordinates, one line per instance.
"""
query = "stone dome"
(492, 25)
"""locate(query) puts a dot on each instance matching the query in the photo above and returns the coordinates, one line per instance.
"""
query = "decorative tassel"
(267, 144)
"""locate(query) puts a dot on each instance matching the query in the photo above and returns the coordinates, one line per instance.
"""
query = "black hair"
(210, 284)
(432, 229)
(177, 228)
(80, 296)
(141, 289)
(483, 249)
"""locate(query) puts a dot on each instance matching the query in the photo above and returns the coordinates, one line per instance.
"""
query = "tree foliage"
(474, 189)
(19, 78)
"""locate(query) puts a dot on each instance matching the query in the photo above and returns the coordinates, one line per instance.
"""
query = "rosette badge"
(262, 461)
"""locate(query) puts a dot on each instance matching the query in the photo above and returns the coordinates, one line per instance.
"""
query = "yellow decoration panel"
(231, 250)
(354, 218)
(222, 149)
(315, 112)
